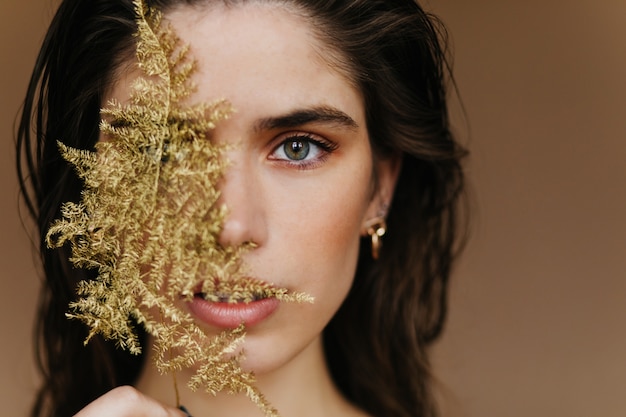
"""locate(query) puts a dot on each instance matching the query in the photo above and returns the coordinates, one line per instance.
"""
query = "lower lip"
(231, 315)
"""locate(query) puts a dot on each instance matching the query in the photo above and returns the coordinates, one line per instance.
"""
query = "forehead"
(259, 56)
(266, 27)
(254, 29)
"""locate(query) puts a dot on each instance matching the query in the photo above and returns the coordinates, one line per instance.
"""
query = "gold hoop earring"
(376, 229)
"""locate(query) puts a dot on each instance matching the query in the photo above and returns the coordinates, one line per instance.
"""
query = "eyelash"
(325, 146)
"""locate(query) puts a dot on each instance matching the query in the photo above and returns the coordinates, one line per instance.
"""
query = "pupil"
(297, 149)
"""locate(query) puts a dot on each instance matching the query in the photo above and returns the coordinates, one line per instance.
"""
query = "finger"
(126, 401)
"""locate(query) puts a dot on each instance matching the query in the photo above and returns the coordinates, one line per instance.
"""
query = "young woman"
(345, 178)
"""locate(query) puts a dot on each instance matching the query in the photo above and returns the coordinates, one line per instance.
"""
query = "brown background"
(539, 299)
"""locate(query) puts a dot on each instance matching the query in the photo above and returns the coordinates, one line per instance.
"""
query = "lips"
(229, 315)
(230, 303)
(243, 300)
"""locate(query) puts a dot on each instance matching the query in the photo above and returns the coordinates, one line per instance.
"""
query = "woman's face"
(300, 180)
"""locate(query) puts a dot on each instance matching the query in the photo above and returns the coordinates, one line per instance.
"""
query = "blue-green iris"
(296, 150)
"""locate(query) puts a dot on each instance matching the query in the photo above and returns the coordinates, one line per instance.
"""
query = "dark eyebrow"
(296, 118)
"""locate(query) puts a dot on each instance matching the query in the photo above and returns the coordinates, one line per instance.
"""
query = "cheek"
(336, 219)
(320, 225)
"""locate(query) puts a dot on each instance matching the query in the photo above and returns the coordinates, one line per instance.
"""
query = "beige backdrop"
(539, 300)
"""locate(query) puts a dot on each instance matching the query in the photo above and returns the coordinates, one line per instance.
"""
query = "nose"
(241, 193)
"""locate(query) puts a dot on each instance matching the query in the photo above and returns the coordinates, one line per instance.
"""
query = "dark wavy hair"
(376, 345)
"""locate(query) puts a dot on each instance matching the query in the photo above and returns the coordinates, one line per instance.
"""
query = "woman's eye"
(297, 149)
(302, 150)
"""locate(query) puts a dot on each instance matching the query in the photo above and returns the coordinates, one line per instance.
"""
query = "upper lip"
(244, 289)
(225, 297)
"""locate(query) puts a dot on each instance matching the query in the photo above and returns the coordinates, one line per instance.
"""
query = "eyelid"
(319, 140)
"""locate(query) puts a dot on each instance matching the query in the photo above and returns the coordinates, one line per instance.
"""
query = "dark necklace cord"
(184, 410)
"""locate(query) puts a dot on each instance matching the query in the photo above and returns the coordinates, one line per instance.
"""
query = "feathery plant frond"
(148, 221)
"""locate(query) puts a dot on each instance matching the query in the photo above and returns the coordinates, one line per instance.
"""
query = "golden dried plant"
(149, 220)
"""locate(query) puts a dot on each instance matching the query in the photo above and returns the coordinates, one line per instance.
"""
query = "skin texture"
(304, 216)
